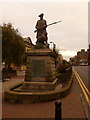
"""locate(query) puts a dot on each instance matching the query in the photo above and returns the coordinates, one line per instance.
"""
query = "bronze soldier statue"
(41, 26)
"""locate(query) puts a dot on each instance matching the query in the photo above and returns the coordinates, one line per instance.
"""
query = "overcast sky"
(70, 36)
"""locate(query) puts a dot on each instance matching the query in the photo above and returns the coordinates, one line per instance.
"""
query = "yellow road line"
(82, 82)
(85, 94)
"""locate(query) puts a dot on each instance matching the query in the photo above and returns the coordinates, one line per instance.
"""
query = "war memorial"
(40, 83)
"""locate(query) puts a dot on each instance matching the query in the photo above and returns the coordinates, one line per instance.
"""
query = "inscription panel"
(38, 68)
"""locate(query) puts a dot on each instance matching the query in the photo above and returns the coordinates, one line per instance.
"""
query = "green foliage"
(58, 74)
(55, 53)
(9, 70)
(63, 66)
(13, 46)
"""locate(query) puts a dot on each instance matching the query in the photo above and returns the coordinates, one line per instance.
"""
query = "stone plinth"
(40, 70)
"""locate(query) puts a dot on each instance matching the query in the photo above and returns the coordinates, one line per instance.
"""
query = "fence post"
(58, 113)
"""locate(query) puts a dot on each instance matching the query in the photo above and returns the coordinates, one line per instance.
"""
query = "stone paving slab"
(13, 81)
(72, 107)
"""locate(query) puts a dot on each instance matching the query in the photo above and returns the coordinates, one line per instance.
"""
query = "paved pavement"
(72, 106)
(8, 83)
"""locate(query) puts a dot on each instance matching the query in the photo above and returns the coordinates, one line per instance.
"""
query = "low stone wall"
(28, 97)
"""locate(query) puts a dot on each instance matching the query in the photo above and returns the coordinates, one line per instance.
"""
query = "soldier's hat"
(41, 15)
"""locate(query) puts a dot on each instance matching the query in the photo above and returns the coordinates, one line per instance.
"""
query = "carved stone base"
(37, 86)
(40, 70)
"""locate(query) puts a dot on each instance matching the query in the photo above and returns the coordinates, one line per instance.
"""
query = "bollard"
(58, 115)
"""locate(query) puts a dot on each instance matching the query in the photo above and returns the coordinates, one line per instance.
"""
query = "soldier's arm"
(45, 24)
(37, 26)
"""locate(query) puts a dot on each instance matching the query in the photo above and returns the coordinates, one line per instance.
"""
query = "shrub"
(9, 70)
(62, 67)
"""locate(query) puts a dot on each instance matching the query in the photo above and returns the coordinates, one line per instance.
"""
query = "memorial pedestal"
(40, 70)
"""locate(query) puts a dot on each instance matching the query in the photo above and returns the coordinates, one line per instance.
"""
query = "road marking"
(83, 87)
(82, 82)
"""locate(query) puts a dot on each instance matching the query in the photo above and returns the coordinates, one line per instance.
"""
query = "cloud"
(61, 48)
(68, 54)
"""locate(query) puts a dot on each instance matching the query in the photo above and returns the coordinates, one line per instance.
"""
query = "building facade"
(28, 46)
(82, 58)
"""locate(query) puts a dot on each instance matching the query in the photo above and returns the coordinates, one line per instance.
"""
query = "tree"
(55, 54)
(13, 47)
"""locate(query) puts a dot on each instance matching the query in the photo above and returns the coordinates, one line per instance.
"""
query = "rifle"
(47, 25)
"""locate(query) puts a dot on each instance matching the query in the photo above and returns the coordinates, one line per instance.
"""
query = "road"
(83, 73)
